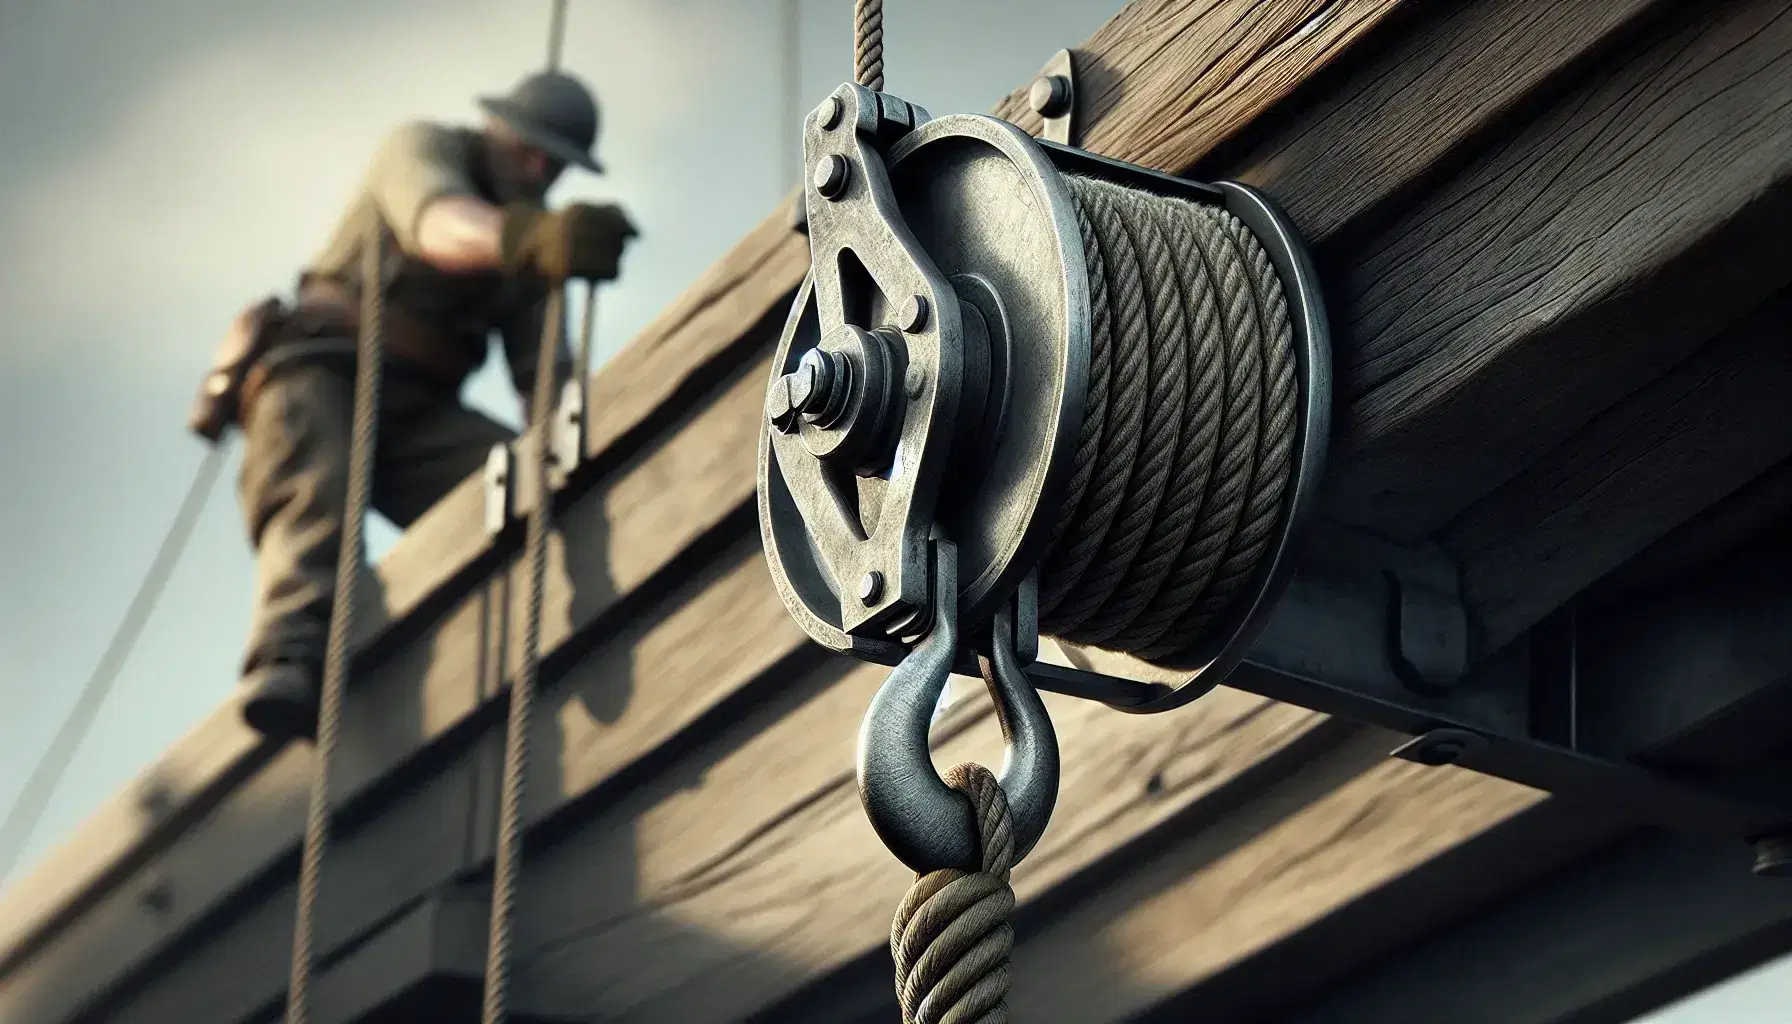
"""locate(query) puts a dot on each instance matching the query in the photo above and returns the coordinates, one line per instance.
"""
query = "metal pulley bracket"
(844, 410)
(931, 373)
(567, 434)
(1053, 97)
(499, 489)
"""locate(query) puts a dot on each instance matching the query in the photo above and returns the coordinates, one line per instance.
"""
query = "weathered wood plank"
(614, 541)
(1573, 263)
(1751, 511)
(372, 872)
(1272, 869)
(702, 917)
(183, 784)
(1630, 475)
(1162, 83)
(1616, 936)
(629, 699)
(1429, 95)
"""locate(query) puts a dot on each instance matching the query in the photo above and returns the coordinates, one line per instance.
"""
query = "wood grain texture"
(1273, 868)
(1429, 95)
(182, 784)
(1630, 475)
(1618, 935)
(1756, 509)
(750, 869)
(373, 871)
(1161, 84)
(1577, 260)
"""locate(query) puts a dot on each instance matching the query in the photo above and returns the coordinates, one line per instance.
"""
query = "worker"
(469, 249)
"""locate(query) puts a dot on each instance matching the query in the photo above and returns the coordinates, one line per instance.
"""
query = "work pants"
(294, 485)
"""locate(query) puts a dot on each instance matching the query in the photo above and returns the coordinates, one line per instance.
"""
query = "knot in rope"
(951, 938)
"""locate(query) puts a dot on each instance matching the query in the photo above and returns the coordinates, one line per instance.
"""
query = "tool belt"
(326, 320)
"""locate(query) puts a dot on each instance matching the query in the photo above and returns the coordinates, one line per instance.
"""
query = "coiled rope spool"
(1183, 458)
(1139, 401)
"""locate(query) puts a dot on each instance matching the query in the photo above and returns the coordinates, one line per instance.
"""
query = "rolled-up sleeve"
(418, 164)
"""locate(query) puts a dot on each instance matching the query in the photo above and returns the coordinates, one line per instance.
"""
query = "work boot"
(282, 701)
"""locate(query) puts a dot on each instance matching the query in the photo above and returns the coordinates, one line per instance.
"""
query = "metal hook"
(923, 821)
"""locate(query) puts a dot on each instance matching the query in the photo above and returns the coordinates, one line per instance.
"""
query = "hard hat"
(554, 112)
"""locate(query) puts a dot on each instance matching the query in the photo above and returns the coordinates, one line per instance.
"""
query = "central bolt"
(809, 389)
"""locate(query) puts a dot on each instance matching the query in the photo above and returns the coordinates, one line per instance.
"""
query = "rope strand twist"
(507, 861)
(1184, 462)
(868, 44)
(951, 939)
(368, 366)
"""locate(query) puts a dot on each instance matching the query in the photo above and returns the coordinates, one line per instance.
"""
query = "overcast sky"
(165, 162)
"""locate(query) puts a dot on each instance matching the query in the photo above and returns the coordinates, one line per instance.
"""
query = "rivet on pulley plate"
(831, 175)
(828, 114)
(913, 315)
(1049, 95)
(871, 587)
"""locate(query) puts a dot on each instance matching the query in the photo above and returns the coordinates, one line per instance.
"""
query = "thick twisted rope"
(868, 44)
(507, 861)
(951, 938)
(1183, 465)
(368, 367)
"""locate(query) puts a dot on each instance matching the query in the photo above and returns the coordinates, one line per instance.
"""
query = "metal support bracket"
(1428, 634)
(1323, 649)
(567, 434)
(499, 489)
(1053, 97)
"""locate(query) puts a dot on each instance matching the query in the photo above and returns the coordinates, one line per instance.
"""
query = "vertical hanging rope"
(868, 44)
(342, 609)
(507, 861)
(556, 34)
(951, 938)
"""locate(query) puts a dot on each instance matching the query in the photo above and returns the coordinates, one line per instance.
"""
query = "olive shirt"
(419, 163)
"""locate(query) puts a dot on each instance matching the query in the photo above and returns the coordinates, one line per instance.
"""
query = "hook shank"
(923, 821)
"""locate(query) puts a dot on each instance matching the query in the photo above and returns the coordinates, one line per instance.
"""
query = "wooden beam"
(1162, 84)
(625, 534)
(749, 869)
(1697, 675)
(1677, 445)
(1618, 934)
(1753, 510)
(1241, 888)
(1426, 100)
(1588, 252)
(208, 880)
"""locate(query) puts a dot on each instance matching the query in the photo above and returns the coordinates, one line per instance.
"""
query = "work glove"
(581, 241)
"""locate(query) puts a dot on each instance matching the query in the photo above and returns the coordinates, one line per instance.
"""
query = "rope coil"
(1184, 461)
